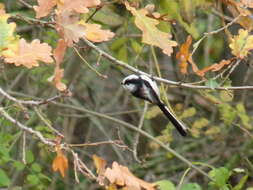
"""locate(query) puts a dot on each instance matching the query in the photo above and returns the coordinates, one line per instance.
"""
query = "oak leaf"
(44, 7)
(60, 163)
(121, 176)
(69, 27)
(7, 37)
(28, 54)
(59, 53)
(79, 6)
(241, 44)
(214, 67)
(100, 166)
(151, 34)
(94, 33)
(247, 3)
(183, 55)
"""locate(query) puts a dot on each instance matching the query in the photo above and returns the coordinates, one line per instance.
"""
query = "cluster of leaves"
(70, 20)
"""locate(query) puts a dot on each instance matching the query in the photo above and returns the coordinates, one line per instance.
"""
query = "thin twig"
(137, 136)
(31, 102)
(115, 142)
(25, 128)
(134, 128)
(166, 81)
(86, 62)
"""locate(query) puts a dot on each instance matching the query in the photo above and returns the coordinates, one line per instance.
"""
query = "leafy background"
(220, 121)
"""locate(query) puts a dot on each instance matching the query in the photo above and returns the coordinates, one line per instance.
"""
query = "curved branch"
(166, 81)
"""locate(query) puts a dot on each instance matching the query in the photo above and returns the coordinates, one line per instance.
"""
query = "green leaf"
(188, 113)
(241, 183)
(220, 177)
(4, 179)
(36, 167)
(227, 113)
(212, 84)
(117, 44)
(33, 179)
(165, 185)
(191, 186)
(136, 46)
(245, 119)
(18, 165)
(152, 112)
(29, 157)
(200, 123)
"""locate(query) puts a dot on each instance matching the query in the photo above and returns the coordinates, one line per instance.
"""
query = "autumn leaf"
(183, 55)
(94, 33)
(151, 34)
(79, 6)
(247, 3)
(28, 54)
(241, 44)
(44, 7)
(69, 27)
(121, 176)
(60, 162)
(7, 37)
(214, 67)
(100, 166)
(59, 53)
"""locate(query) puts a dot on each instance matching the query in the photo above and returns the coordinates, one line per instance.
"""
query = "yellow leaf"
(152, 112)
(151, 34)
(241, 44)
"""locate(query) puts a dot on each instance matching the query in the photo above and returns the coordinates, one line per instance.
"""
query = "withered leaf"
(28, 54)
(60, 162)
(214, 67)
(69, 27)
(183, 55)
(150, 33)
(44, 7)
(79, 6)
(121, 176)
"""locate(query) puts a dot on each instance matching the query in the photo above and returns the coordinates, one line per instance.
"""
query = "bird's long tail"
(178, 124)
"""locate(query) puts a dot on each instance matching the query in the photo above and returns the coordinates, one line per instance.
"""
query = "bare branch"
(25, 128)
(166, 81)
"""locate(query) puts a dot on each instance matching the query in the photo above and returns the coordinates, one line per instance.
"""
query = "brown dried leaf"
(151, 34)
(60, 162)
(59, 53)
(94, 33)
(79, 6)
(214, 67)
(121, 176)
(183, 55)
(44, 8)
(29, 54)
(69, 27)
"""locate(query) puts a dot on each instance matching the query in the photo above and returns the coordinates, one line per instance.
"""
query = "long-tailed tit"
(145, 88)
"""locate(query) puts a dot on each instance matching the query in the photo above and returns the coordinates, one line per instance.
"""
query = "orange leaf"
(151, 34)
(93, 32)
(60, 162)
(79, 6)
(214, 67)
(44, 8)
(183, 55)
(247, 3)
(121, 176)
(59, 51)
(29, 54)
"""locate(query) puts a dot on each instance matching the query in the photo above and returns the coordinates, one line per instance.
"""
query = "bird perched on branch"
(146, 88)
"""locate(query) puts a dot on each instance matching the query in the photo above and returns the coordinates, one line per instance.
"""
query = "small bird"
(146, 88)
